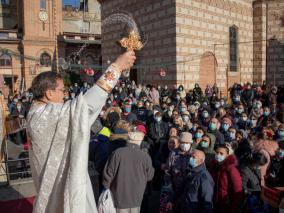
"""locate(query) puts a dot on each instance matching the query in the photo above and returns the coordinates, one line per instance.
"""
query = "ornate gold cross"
(132, 42)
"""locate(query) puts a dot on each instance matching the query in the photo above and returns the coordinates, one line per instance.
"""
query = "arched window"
(42, 4)
(5, 60)
(45, 59)
(233, 31)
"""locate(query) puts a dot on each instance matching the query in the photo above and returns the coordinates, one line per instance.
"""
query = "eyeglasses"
(64, 90)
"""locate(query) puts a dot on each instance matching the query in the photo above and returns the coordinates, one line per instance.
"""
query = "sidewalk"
(17, 197)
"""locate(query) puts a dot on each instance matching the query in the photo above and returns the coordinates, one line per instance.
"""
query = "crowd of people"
(202, 152)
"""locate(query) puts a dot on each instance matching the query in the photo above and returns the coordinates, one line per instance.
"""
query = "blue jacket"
(198, 192)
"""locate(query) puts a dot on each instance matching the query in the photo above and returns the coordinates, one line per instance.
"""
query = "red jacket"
(228, 185)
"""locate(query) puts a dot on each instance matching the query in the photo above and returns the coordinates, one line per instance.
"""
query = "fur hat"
(186, 137)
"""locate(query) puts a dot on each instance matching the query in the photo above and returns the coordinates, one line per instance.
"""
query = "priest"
(60, 134)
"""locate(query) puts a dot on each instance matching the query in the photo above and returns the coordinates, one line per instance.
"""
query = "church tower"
(42, 23)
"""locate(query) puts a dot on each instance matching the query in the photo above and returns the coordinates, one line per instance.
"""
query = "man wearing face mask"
(243, 122)
(238, 112)
(178, 168)
(226, 124)
(127, 114)
(204, 119)
(213, 128)
(231, 135)
(197, 195)
(267, 118)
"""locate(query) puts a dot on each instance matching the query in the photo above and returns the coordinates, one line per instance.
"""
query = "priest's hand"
(126, 60)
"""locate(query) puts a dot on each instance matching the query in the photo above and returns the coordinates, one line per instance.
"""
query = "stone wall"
(275, 42)
(157, 20)
(260, 41)
(202, 28)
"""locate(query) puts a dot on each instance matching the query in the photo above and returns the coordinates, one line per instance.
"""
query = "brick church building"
(203, 41)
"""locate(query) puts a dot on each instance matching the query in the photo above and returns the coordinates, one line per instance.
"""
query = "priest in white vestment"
(60, 134)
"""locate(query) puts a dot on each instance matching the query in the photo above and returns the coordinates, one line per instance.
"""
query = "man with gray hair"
(198, 191)
(126, 174)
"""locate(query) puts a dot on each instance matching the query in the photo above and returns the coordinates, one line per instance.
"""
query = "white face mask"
(185, 147)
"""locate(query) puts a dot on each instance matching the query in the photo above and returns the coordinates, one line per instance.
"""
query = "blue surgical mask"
(204, 144)
(158, 119)
(219, 158)
(127, 109)
(266, 114)
(281, 134)
(212, 126)
(225, 127)
(198, 135)
(240, 111)
(182, 109)
(280, 153)
(192, 162)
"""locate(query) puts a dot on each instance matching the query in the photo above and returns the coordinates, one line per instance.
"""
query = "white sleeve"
(96, 97)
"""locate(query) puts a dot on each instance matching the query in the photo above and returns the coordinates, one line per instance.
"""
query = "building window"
(45, 60)
(5, 2)
(5, 60)
(233, 48)
(42, 4)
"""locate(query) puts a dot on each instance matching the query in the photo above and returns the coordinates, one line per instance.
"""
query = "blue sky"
(71, 2)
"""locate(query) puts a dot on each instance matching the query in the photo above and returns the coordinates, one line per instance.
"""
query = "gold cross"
(132, 42)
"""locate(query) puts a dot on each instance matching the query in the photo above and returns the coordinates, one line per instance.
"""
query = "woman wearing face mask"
(231, 135)
(198, 136)
(204, 119)
(254, 128)
(266, 118)
(225, 125)
(228, 183)
(178, 123)
(178, 168)
(207, 146)
(243, 122)
(187, 125)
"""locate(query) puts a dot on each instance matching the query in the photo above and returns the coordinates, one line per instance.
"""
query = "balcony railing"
(73, 14)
